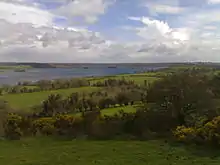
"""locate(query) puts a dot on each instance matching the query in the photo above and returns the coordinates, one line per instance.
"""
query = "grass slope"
(137, 78)
(48, 151)
(25, 100)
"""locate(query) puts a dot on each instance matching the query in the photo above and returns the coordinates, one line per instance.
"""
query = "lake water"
(11, 77)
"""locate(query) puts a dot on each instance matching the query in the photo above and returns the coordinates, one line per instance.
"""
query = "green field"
(26, 100)
(48, 151)
(137, 78)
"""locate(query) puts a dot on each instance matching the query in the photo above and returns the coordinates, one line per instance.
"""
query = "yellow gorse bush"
(185, 134)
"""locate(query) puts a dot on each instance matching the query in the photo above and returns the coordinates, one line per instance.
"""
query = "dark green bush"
(69, 125)
(107, 127)
(44, 126)
(183, 95)
(12, 127)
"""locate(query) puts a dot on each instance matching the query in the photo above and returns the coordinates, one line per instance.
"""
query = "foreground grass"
(48, 151)
(24, 101)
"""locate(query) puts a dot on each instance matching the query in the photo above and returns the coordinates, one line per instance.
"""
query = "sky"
(109, 31)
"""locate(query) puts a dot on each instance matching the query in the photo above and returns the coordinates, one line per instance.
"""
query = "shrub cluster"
(141, 124)
(113, 83)
(209, 133)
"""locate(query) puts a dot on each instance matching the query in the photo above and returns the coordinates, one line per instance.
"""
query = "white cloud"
(213, 1)
(206, 16)
(155, 30)
(186, 43)
(156, 7)
(165, 9)
(16, 13)
(88, 9)
(210, 27)
(28, 33)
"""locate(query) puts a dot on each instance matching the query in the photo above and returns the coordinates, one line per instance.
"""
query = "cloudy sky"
(109, 30)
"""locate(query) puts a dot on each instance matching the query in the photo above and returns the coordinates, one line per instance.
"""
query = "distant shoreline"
(73, 65)
(12, 78)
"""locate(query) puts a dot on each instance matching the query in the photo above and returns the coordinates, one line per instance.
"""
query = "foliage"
(106, 127)
(69, 125)
(106, 102)
(214, 83)
(185, 134)
(158, 122)
(123, 98)
(211, 131)
(44, 126)
(182, 95)
(52, 105)
(113, 82)
(72, 101)
(12, 127)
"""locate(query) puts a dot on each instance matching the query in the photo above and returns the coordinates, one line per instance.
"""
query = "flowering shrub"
(211, 131)
(184, 134)
(68, 125)
(12, 127)
(44, 126)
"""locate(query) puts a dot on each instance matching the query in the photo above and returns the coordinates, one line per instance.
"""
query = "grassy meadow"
(138, 78)
(26, 100)
(50, 151)
(112, 111)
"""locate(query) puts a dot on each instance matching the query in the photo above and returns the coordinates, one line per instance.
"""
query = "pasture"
(53, 151)
(112, 111)
(138, 78)
(24, 101)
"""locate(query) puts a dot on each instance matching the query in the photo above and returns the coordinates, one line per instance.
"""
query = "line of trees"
(114, 82)
(94, 101)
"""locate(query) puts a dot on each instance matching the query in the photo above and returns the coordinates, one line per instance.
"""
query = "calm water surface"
(11, 77)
